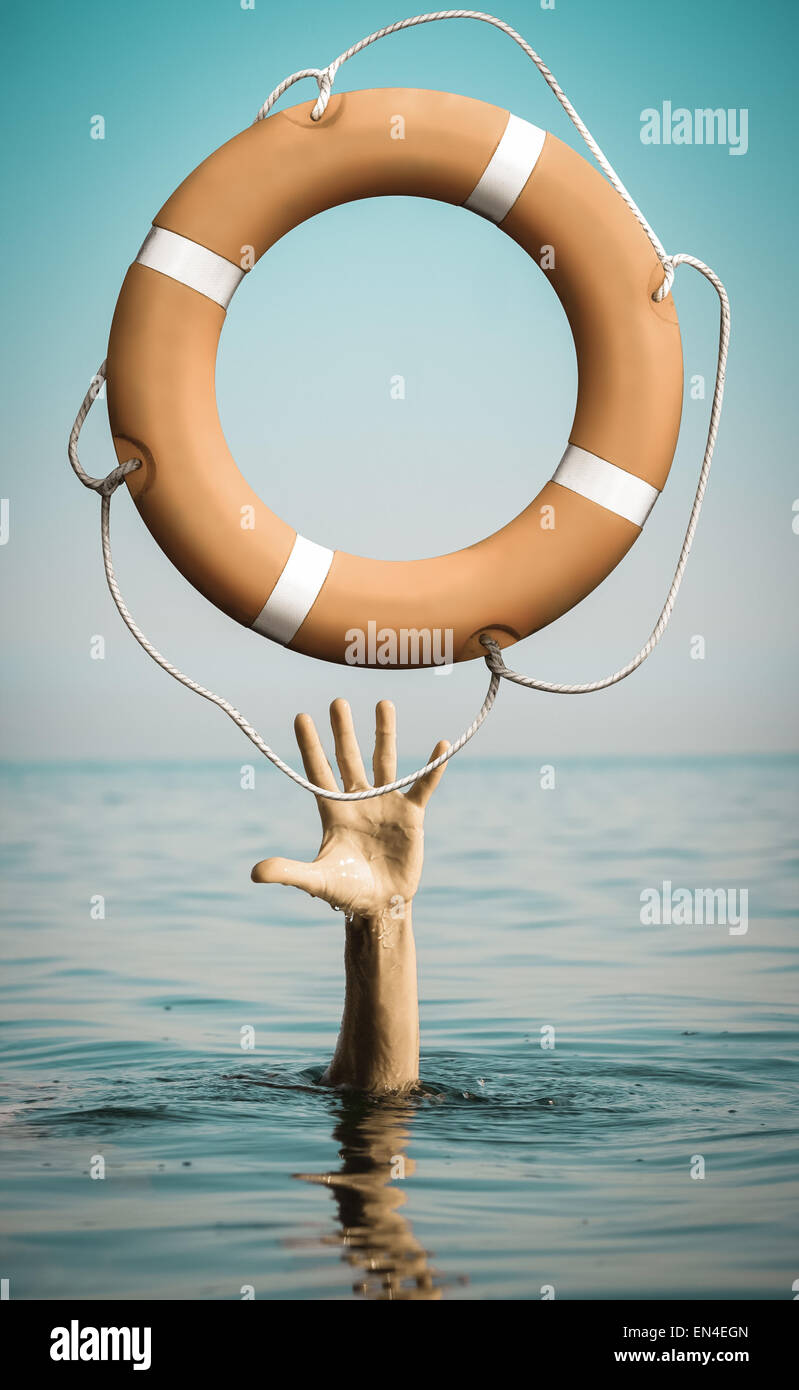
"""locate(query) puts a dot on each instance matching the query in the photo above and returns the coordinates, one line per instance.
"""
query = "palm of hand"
(370, 858)
(371, 853)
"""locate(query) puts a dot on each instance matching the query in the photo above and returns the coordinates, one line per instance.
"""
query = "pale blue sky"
(340, 306)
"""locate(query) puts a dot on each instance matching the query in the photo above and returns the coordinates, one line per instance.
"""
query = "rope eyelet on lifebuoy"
(255, 189)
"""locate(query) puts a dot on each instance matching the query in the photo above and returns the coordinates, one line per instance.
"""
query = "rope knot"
(108, 486)
(493, 654)
(325, 79)
(668, 280)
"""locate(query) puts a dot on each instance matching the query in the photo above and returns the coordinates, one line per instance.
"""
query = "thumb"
(292, 872)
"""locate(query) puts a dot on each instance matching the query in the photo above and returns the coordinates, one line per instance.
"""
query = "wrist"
(380, 943)
(384, 925)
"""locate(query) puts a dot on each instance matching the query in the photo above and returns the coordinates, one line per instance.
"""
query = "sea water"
(608, 1104)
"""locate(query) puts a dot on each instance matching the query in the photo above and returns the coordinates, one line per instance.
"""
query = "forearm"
(378, 1045)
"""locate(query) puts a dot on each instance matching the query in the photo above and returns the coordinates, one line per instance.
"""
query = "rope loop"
(108, 485)
(325, 79)
(493, 657)
(316, 73)
(326, 76)
(111, 481)
(668, 280)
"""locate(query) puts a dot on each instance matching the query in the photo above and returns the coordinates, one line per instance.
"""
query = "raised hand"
(370, 858)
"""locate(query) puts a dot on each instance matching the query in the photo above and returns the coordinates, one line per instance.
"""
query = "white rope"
(107, 486)
(326, 76)
(494, 659)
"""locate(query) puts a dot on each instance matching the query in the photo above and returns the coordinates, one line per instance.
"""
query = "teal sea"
(651, 1152)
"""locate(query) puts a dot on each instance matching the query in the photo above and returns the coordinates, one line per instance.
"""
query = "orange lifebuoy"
(170, 312)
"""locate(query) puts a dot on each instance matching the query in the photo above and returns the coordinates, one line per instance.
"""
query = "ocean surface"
(650, 1152)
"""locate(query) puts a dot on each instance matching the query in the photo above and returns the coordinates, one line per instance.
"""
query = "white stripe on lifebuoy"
(193, 265)
(296, 590)
(610, 487)
(508, 170)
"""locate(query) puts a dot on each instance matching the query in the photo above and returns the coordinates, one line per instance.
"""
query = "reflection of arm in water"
(369, 865)
(377, 1239)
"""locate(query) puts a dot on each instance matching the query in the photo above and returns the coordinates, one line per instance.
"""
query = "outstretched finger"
(384, 761)
(421, 791)
(348, 754)
(292, 872)
(317, 768)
